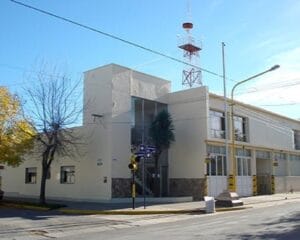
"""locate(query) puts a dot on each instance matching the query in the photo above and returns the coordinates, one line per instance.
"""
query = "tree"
(16, 134)
(162, 136)
(53, 108)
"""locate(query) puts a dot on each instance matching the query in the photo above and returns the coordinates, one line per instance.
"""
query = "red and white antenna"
(190, 75)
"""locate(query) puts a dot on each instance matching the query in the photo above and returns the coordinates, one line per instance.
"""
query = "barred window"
(30, 175)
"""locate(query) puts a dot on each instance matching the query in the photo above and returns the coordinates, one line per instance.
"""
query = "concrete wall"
(92, 166)
(287, 184)
(293, 183)
(127, 83)
(106, 134)
(102, 161)
(189, 110)
(108, 92)
(265, 129)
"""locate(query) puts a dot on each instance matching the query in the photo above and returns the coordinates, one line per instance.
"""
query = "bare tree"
(54, 110)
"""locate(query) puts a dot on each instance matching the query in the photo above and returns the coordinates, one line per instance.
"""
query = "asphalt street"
(272, 222)
(277, 220)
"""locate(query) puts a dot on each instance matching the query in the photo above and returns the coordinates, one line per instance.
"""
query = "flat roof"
(128, 69)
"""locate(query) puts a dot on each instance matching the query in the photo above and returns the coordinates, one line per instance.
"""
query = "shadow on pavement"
(27, 214)
(279, 230)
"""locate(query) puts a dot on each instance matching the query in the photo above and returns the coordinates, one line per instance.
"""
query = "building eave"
(213, 95)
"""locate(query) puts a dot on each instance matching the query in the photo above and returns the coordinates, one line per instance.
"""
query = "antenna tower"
(190, 75)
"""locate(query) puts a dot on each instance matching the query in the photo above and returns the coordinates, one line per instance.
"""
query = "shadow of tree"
(284, 228)
(27, 214)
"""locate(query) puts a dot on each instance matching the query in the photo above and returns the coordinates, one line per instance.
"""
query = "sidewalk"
(167, 208)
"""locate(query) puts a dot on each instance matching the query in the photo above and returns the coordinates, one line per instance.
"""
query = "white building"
(121, 105)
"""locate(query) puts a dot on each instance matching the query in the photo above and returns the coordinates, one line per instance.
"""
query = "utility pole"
(225, 109)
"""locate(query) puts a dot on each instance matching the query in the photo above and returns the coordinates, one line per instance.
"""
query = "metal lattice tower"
(190, 75)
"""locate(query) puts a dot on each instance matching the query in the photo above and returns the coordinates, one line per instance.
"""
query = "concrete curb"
(24, 206)
(272, 200)
(142, 211)
(129, 212)
(145, 212)
(119, 212)
(228, 209)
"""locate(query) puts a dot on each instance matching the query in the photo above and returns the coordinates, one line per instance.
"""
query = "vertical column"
(205, 192)
(288, 166)
(273, 172)
(254, 185)
(272, 184)
(254, 173)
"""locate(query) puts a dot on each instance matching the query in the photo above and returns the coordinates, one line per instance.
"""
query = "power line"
(24, 70)
(280, 104)
(114, 37)
(270, 87)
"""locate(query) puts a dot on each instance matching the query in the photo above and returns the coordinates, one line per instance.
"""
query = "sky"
(257, 35)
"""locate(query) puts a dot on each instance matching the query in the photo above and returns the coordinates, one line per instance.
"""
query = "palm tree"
(162, 136)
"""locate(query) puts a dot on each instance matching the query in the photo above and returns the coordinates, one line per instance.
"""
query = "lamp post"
(232, 180)
(225, 107)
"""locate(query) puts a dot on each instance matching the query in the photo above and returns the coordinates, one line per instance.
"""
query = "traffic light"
(133, 165)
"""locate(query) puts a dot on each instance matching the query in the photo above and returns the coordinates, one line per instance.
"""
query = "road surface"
(279, 220)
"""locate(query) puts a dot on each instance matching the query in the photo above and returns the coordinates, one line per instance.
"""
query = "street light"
(232, 180)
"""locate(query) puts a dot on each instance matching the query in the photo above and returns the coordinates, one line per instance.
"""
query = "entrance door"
(264, 184)
(244, 178)
(216, 171)
(263, 172)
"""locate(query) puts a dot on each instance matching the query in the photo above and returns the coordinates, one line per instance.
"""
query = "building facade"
(120, 105)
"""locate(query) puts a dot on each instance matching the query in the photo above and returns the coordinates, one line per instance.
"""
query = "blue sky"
(257, 34)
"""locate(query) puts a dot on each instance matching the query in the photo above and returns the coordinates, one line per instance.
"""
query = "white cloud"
(280, 87)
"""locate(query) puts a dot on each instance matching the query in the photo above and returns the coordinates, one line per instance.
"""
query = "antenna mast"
(190, 75)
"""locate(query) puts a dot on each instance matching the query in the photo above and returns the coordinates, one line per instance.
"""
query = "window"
(263, 154)
(143, 112)
(216, 166)
(243, 162)
(243, 166)
(67, 174)
(297, 139)
(240, 124)
(217, 124)
(30, 175)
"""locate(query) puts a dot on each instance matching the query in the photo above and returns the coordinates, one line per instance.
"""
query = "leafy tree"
(16, 134)
(54, 110)
(162, 136)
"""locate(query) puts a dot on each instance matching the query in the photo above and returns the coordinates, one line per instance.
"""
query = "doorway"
(264, 176)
